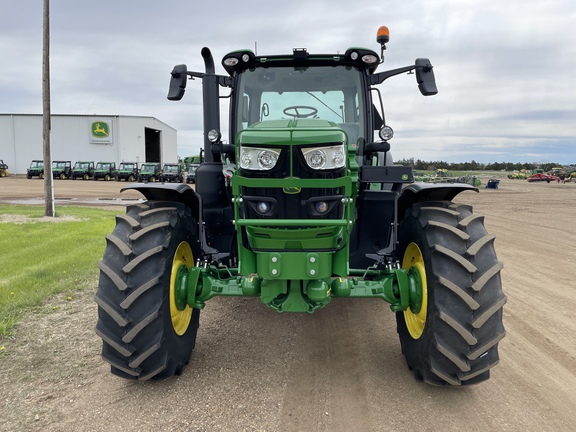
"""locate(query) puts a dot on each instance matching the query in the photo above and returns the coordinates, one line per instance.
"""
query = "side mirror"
(178, 82)
(377, 147)
(425, 77)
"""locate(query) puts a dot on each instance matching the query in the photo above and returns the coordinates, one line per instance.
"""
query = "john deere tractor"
(299, 205)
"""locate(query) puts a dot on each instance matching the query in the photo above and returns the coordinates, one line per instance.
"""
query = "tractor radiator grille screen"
(292, 203)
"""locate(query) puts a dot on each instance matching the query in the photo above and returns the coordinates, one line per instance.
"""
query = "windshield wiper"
(327, 106)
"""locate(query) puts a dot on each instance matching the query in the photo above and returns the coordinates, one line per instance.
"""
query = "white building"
(107, 138)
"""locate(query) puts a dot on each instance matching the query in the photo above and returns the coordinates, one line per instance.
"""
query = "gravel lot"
(339, 369)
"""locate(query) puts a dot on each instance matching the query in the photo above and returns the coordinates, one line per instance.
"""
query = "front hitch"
(399, 287)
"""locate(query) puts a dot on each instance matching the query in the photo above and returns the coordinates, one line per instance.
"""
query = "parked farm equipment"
(299, 206)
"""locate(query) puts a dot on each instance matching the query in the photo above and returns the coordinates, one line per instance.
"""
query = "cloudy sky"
(506, 70)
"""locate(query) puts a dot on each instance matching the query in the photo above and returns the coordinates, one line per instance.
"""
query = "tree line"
(419, 164)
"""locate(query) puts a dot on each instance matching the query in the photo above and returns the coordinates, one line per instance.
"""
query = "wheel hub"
(415, 316)
(180, 312)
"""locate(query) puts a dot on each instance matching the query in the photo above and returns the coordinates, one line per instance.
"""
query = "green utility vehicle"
(191, 177)
(36, 169)
(61, 170)
(127, 171)
(196, 159)
(298, 206)
(149, 172)
(83, 170)
(172, 172)
(194, 163)
(105, 170)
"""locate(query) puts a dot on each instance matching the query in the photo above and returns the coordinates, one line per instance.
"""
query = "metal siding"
(70, 139)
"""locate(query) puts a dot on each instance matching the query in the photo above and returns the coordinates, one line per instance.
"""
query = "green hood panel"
(298, 132)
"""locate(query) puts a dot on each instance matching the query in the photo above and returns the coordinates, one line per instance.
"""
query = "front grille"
(290, 204)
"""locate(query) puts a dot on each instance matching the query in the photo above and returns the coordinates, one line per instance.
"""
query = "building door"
(152, 140)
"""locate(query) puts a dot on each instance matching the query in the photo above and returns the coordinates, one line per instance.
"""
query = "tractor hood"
(292, 131)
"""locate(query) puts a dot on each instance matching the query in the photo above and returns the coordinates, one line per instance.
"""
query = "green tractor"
(298, 206)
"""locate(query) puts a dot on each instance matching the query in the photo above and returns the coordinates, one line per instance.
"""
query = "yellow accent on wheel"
(180, 318)
(415, 322)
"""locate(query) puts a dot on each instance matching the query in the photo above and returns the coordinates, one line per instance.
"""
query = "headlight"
(325, 158)
(321, 207)
(263, 207)
(261, 159)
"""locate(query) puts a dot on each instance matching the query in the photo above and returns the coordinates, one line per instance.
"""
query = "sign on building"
(101, 132)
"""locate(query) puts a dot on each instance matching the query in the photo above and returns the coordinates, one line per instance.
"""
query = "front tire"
(144, 335)
(453, 339)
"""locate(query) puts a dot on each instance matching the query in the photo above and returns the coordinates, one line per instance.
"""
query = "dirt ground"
(339, 369)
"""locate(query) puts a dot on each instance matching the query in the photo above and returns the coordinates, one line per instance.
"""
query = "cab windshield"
(329, 93)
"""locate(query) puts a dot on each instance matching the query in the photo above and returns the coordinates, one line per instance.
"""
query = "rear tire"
(144, 335)
(453, 339)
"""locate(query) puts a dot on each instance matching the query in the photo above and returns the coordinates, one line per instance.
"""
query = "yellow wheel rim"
(415, 322)
(180, 318)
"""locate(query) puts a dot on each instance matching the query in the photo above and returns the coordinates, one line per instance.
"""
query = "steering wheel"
(296, 111)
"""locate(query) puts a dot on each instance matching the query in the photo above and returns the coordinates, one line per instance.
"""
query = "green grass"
(41, 259)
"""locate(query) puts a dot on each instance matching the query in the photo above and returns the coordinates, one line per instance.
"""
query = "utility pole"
(48, 180)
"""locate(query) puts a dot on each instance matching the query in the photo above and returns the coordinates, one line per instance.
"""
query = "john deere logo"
(100, 129)
(291, 190)
(404, 176)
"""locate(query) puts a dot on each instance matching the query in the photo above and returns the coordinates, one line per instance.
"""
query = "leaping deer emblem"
(98, 130)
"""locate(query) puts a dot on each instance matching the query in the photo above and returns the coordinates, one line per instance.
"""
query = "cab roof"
(361, 58)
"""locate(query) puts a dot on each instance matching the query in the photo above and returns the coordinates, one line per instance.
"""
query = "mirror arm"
(224, 81)
(380, 77)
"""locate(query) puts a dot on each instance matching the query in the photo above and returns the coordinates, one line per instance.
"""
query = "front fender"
(175, 192)
(422, 192)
